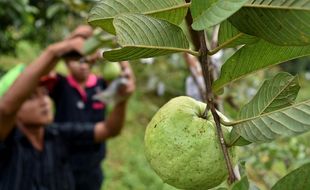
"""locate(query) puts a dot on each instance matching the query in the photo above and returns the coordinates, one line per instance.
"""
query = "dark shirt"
(22, 167)
(74, 104)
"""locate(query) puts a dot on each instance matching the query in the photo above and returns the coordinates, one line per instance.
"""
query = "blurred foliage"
(40, 22)
(297, 65)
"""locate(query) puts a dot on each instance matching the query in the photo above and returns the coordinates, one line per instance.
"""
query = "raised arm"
(115, 121)
(27, 82)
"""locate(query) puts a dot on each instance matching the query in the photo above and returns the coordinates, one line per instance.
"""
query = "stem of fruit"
(205, 65)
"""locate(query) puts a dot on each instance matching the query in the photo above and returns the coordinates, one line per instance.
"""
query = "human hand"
(76, 44)
(127, 89)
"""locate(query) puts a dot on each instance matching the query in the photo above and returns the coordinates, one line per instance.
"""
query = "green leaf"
(276, 93)
(54, 9)
(237, 140)
(143, 36)
(298, 179)
(277, 21)
(292, 120)
(229, 36)
(243, 184)
(212, 12)
(103, 13)
(253, 57)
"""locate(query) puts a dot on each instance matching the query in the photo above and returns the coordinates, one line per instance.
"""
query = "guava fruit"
(183, 148)
(111, 70)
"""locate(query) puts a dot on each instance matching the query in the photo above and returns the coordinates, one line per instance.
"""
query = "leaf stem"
(205, 65)
(194, 53)
(228, 123)
(225, 44)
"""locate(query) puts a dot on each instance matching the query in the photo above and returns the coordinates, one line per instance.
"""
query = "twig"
(195, 41)
(225, 44)
(199, 42)
(211, 105)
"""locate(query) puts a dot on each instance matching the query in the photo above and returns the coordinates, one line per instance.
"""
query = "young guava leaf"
(289, 121)
(229, 36)
(256, 56)
(237, 140)
(276, 93)
(143, 36)
(271, 113)
(212, 12)
(103, 13)
(298, 179)
(280, 22)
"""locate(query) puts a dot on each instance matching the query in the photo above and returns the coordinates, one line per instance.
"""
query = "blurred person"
(74, 101)
(32, 155)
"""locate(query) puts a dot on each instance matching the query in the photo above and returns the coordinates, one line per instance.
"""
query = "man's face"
(79, 68)
(37, 110)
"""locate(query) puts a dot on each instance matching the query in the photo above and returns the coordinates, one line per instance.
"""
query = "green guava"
(111, 70)
(183, 148)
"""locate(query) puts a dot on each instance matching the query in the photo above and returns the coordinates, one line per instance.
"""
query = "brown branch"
(195, 41)
(199, 41)
(205, 64)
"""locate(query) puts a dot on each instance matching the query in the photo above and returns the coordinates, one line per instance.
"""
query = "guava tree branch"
(205, 64)
(199, 41)
(195, 41)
